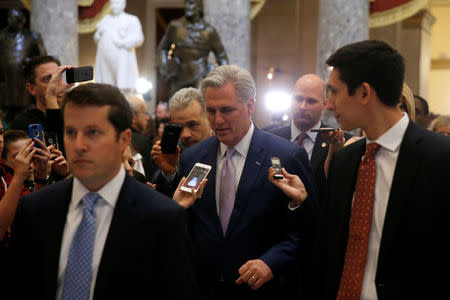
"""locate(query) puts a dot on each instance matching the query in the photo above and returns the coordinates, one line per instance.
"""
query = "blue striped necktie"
(78, 273)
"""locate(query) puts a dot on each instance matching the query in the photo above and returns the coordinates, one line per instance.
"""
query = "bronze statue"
(17, 45)
(184, 49)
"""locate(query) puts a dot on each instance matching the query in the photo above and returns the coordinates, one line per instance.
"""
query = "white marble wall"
(57, 22)
(231, 18)
(341, 22)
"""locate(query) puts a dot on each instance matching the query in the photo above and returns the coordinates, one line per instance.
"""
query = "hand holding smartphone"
(195, 177)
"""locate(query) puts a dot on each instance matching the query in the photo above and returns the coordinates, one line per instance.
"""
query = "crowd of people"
(95, 209)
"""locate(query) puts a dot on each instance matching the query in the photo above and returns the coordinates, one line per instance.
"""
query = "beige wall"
(439, 81)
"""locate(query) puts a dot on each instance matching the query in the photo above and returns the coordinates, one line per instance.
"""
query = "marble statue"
(117, 35)
(17, 46)
(184, 49)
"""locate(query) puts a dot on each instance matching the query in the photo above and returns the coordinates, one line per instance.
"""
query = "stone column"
(341, 22)
(57, 22)
(232, 21)
(416, 49)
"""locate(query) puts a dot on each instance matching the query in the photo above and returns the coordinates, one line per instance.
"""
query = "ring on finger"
(253, 277)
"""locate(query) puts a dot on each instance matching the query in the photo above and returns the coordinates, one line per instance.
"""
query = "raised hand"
(291, 185)
(166, 162)
(186, 199)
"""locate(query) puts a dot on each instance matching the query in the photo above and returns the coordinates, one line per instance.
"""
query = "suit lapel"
(253, 165)
(320, 150)
(55, 229)
(404, 176)
(206, 206)
(122, 221)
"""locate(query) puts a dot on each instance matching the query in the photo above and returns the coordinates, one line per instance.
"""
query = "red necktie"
(301, 138)
(358, 236)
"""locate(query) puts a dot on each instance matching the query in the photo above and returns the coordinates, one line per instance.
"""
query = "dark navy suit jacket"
(261, 225)
(147, 251)
(413, 259)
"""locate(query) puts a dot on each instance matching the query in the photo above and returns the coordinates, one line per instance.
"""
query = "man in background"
(187, 108)
(422, 111)
(308, 103)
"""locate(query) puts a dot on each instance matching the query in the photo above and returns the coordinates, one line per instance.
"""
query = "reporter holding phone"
(43, 76)
(187, 109)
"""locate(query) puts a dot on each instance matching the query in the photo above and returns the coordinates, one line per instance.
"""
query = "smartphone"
(276, 164)
(170, 137)
(79, 74)
(52, 139)
(195, 177)
(35, 131)
(324, 129)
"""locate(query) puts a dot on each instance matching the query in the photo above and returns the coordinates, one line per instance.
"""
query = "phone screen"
(195, 177)
(276, 164)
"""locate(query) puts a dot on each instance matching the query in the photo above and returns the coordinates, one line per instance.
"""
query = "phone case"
(193, 179)
(169, 139)
(35, 131)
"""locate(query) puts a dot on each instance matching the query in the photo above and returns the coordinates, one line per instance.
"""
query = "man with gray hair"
(140, 143)
(241, 226)
(187, 108)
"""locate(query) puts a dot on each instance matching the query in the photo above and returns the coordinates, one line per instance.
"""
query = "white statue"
(117, 35)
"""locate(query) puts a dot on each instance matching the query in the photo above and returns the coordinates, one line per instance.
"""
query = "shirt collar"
(109, 192)
(312, 135)
(243, 145)
(392, 138)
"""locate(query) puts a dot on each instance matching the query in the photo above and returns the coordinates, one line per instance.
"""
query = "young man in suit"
(101, 234)
(387, 211)
(308, 103)
(241, 228)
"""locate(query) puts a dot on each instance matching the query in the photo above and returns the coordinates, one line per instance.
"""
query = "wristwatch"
(42, 180)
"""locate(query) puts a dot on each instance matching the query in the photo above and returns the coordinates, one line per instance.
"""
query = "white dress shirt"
(104, 209)
(138, 165)
(310, 138)
(238, 160)
(385, 162)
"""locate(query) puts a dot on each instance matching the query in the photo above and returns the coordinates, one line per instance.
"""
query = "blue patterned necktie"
(78, 273)
(227, 189)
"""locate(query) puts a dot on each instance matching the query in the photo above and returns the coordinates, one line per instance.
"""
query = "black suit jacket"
(414, 255)
(147, 253)
(143, 145)
(318, 156)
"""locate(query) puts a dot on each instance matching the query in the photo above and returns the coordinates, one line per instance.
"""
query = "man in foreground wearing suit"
(387, 213)
(308, 103)
(102, 234)
(243, 235)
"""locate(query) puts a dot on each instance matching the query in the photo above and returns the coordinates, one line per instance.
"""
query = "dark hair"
(373, 62)
(10, 136)
(98, 94)
(29, 69)
(424, 103)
